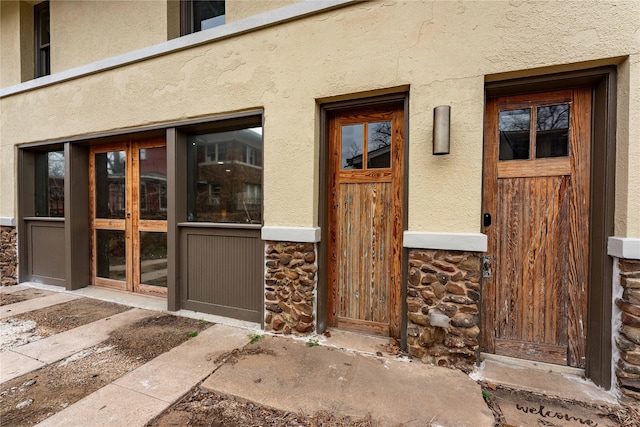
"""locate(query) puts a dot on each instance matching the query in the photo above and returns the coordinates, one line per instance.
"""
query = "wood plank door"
(128, 208)
(536, 190)
(365, 219)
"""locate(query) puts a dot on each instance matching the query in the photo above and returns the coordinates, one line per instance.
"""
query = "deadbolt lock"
(486, 266)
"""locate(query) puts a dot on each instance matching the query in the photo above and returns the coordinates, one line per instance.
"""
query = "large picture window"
(49, 183)
(224, 181)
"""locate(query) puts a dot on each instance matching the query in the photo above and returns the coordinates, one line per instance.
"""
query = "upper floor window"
(198, 15)
(42, 39)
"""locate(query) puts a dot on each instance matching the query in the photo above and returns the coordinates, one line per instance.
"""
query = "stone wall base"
(290, 287)
(443, 297)
(628, 339)
(8, 256)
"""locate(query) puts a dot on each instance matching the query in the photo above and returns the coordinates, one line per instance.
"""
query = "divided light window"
(224, 174)
(198, 15)
(49, 183)
(42, 39)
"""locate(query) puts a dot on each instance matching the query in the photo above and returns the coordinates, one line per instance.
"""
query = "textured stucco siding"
(442, 52)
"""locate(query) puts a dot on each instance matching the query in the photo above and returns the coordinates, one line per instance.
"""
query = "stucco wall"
(443, 51)
(86, 31)
(240, 9)
(13, 41)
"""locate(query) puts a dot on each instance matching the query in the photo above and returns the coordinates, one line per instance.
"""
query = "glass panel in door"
(150, 213)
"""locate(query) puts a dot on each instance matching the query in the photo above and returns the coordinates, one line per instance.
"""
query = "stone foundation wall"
(290, 287)
(8, 256)
(444, 289)
(628, 339)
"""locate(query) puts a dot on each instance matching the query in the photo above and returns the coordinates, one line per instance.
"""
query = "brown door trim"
(323, 208)
(603, 82)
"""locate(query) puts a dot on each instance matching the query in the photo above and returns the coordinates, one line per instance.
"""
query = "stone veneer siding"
(8, 256)
(444, 282)
(628, 339)
(290, 287)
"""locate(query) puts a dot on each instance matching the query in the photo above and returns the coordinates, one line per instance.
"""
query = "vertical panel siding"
(363, 252)
(46, 252)
(223, 269)
(533, 257)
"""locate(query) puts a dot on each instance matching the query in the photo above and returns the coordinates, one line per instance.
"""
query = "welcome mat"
(517, 408)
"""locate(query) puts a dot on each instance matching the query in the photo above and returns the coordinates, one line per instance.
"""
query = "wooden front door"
(536, 196)
(365, 219)
(128, 208)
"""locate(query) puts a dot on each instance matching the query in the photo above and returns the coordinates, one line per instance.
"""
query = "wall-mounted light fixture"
(441, 129)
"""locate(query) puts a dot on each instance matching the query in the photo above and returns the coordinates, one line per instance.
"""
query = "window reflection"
(379, 145)
(552, 131)
(153, 183)
(49, 184)
(515, 126)
(225, 176)
(110, 184)
(352, 146)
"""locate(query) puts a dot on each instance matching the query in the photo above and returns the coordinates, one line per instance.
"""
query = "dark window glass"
(198, 15)
(515, 126)
(552, 131)
(224, 176)
(153, 258)
(42, 39)
(49, 184)
(110, 184)
(111, 254)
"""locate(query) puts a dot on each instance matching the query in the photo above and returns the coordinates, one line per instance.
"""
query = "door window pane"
(515, 126)
(111, 256)
(224, 176)
(352, 146)
(49, 184)
(153, 258)
(153, 183)
(379, 145)
(552, 131)
(110, 184)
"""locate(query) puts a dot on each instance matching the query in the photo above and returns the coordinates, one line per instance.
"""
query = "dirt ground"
(23, 295)
(203, 408)
(33, 397)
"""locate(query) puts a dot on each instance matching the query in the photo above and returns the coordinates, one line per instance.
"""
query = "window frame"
(187, 24)
(42, 51)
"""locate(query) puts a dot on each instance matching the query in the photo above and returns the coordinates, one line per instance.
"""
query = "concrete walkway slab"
(64, 344)
(110, 406)
(34, 304)
(538, 378)
(11, 289)
(290, 376)
(13, 365)
(170, 375)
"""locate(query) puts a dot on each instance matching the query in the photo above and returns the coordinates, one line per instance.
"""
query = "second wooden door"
(365, 220)
(536, 191)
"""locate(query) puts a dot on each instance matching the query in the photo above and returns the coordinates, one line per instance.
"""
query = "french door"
(128, 208)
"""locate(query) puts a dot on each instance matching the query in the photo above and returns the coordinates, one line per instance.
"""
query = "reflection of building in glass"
(226, 185)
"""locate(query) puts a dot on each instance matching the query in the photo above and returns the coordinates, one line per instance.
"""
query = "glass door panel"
(128, 186)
